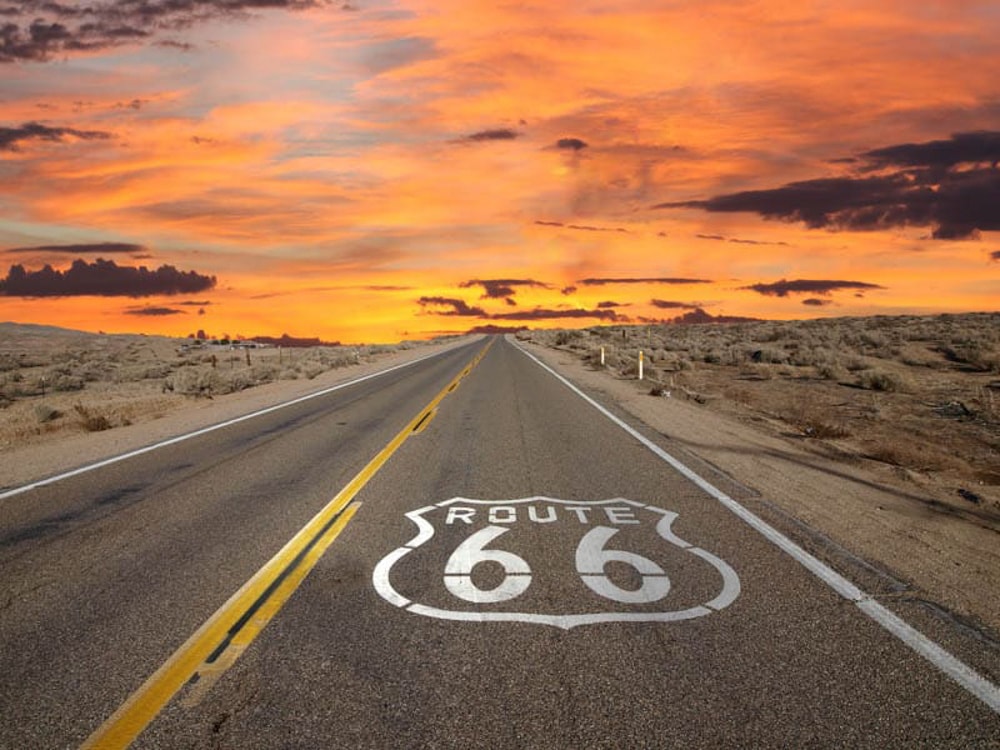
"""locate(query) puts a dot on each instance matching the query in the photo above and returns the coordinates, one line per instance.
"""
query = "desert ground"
(882, 435)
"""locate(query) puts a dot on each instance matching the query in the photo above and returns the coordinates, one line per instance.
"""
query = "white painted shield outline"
(380, 576)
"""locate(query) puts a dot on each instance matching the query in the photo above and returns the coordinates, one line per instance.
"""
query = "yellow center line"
(229, 631)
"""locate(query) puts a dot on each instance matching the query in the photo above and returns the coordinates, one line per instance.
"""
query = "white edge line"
(958, 671)
(210, 428)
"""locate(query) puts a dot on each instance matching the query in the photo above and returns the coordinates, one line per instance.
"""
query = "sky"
(376, 170)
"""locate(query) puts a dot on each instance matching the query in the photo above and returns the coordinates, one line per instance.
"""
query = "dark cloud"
(51, 29)
(653, 280)
(807, 286)
(458, 307)
(664, 304)
(10, 138)
(978, 147)
(498, 134)
(567, 290)
(574, 144)
(995, 255)
(543, 314)
(609, 304)
(581, 227)
(952, 186)
(104, 248)
(491, 328)
(154, 311)
(816, 302)
(698, 316)
(501, 288)
(193, 303)
(103, 278)
(755, 242)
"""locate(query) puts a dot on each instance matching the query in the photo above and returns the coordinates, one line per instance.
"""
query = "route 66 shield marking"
(552, 562)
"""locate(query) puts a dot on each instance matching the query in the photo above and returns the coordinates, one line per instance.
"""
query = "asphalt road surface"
(459, 553)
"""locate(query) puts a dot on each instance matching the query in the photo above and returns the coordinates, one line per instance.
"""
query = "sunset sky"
(385, 169)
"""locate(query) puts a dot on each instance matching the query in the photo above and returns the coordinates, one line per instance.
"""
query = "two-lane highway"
(506, 567)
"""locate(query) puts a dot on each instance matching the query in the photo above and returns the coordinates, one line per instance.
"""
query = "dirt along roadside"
(30, 450)
(946, 557)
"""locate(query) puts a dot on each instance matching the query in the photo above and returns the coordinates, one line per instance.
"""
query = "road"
(485, 561)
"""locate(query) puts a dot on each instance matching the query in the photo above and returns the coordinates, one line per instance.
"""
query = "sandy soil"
(946, 553)
(142, 412)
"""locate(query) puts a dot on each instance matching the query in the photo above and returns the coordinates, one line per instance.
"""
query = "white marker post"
(640, 364)
(602, 356)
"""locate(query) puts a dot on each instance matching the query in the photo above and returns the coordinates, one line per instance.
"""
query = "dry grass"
(917, 393)
(58, 381)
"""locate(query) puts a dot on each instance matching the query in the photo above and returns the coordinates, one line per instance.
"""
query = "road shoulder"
(947, 560)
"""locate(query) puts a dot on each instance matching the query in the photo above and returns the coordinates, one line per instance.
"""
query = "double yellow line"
(216, 645)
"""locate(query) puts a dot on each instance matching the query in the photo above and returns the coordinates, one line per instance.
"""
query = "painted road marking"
(961, 673)
(211, 428)
(584, 530)
(226, 634)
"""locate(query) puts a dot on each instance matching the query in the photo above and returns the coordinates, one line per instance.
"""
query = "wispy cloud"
(450, 306)
(39, 31)
(581, 227)
(641, 280)
(102, 248)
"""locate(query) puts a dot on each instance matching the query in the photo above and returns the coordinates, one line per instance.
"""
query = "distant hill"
(292, 341)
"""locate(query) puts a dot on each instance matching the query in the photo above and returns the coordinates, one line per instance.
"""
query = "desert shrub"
(236, 380)
(879, 380)
(977, 353)
(857, 364)
(91, 421)
(265, 372)
(768, 355)
(191, 381)
(45, 413)
(876, 341)
(565, 337)
(143, 372)
(831, 371)
(288, 373)
(311, 369)
(66, 383)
